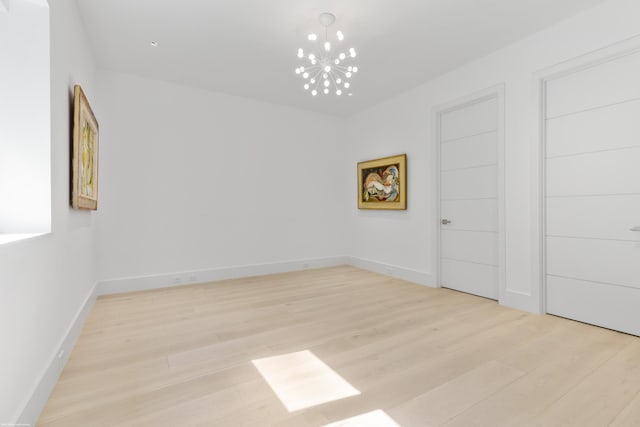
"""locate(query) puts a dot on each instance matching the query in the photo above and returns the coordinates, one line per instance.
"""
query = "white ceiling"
(248, 47)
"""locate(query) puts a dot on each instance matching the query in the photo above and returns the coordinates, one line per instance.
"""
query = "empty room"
(319, 213)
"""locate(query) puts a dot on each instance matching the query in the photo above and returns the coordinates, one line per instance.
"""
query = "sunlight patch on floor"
(301, 380)
(377, 418)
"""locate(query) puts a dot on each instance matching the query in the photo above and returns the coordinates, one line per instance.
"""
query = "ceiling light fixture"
(327, 67)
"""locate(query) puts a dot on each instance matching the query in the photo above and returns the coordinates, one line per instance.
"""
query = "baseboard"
(37, 399)
(143, 283)
(158, 281)
(521, 301)
(415, 276)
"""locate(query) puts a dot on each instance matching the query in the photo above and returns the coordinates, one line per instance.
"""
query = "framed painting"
(84, 185)
(382, 183)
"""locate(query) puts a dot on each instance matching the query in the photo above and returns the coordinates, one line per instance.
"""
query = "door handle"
(446, 221)
(636, 228)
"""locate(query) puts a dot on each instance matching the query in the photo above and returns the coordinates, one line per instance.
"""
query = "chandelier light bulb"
(325, 67)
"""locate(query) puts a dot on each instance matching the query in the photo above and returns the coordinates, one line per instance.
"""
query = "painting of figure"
(87, 161)
(84, 185)
(382, 183)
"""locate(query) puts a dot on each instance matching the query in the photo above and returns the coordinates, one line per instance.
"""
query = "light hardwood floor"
(427, 357)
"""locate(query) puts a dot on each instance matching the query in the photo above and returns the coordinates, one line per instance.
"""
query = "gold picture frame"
(84, 186)
(382, 183)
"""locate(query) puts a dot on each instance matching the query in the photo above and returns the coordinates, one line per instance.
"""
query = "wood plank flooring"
(426, 357)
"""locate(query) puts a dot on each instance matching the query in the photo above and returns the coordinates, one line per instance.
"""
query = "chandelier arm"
(316, 79)
(311, 68)
(333, 79)
(345, 71)
(325, 55)
(318, 72)
(342, 71)
(341, 68)
(344, 67)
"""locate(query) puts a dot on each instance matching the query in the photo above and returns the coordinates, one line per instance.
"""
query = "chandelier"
(328, 68)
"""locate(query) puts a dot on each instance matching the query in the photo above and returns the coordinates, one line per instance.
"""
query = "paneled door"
(592, 236)
(468, 138)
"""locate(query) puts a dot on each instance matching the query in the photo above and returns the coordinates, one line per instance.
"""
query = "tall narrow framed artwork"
(84, 185)
(382, 183)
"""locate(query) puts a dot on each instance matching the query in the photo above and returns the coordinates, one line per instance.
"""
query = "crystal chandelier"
(328, 68)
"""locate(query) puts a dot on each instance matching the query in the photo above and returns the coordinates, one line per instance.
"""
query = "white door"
(469, 198)
(592, 235)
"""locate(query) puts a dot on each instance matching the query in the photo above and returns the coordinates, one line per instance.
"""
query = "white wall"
(25, 184)
(405, 124)
(44, 281)
(195, 180)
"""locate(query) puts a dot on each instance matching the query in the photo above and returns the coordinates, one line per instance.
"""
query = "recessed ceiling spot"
(154, 44)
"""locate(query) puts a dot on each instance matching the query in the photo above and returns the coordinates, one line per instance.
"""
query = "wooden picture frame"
(84, 186)
(382, 183)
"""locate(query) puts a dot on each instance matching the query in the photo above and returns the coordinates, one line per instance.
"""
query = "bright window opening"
(25, 130)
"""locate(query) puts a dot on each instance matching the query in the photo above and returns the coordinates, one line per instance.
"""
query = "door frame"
(495, 92)
(539, 164)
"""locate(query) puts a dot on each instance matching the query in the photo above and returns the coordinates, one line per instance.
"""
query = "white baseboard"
(521, 301)
(158, 281)
(41, 391)
(415, 276)
(143, 283)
